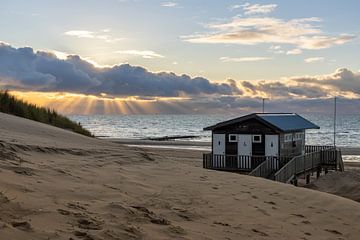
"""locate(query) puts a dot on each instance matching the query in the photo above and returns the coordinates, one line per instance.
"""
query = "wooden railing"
(232, 162)
(316, 148)
(308, 162)
(339, 161)
(266, 168)
(282, 169)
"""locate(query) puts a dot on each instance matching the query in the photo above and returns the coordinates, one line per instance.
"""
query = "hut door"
(244, 145)
(219, 144)
(272, 145)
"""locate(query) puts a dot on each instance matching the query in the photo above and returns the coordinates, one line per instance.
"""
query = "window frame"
(232, 135)
(288, 137)
(257, 141)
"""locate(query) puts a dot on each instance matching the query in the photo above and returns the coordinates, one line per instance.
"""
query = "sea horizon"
(168, 125)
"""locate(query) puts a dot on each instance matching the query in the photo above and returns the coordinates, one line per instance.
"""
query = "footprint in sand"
(152, 216)
(176, 230)
(262, 211)
(76, 206)
(89, 224)
(203, 178)
(260, 232)
(83, 235)
(333, 231)
(270, 202)
(24, 226)
(222, 224)
(298, 215)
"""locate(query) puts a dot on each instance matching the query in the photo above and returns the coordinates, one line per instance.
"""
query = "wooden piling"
(318, 172)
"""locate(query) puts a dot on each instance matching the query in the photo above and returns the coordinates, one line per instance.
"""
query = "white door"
(272, 145)
(244, 151)
(244, 145)
(219, 144)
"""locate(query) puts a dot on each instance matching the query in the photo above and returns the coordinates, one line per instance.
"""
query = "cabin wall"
(293, 147)
(252, 127)
(248, 127)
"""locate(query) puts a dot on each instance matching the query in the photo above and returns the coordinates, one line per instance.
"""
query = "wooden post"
(307, 178)
(295, 181)
(318, 172)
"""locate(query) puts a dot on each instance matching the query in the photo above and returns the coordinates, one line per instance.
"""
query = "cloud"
(80, 34)
(314, 59)
(303, 33)
(24, 69)
(251, 9)
(243, 59)
(169, 4)
(295, 51)
(103, 35)
(342, 80)
(276, 49)
(143, 54)
(234, 7)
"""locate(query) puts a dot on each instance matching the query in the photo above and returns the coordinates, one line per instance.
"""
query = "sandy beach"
(55, 184)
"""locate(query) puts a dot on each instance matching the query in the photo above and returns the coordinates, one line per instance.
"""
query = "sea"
(153, 126)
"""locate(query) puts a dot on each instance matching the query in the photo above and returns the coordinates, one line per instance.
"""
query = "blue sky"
(149, 26)
(247, 41)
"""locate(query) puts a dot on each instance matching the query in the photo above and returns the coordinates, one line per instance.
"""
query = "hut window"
(256, 138)
(288, 137)
(297, 136)
(232, 138)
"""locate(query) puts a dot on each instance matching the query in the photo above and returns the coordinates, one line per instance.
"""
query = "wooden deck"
(315, 159)
(236, 163)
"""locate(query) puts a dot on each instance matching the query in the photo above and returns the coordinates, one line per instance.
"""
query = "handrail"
(340, 161)
(270, 165)
(285, 168)
(316, 148)
(232, 162)
(306, 162)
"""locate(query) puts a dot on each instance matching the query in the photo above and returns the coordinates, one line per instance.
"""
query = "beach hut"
(270, 145)
(256, 136)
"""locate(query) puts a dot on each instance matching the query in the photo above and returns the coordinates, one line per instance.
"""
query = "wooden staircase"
(316, 159)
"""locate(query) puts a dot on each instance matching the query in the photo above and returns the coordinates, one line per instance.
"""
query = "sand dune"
(58, 185)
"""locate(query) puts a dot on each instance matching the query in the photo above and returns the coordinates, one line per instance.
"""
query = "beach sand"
(55, 184)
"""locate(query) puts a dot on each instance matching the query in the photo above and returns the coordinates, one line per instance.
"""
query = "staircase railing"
(266, 168)
(308, 162)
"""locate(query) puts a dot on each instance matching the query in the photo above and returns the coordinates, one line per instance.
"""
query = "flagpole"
(335, 122)
(263, 105)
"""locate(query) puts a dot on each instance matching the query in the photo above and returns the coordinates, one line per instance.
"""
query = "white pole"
(334, 121)
(263, 105)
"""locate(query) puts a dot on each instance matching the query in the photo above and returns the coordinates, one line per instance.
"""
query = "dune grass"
(11, 105)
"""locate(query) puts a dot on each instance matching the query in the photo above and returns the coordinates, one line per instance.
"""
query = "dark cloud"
(25, 69)
(277, 89)
(343, 79)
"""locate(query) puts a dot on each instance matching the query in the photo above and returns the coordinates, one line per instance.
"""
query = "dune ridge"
(55, 184)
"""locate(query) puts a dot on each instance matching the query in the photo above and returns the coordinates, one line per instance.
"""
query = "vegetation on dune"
(11, 105)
